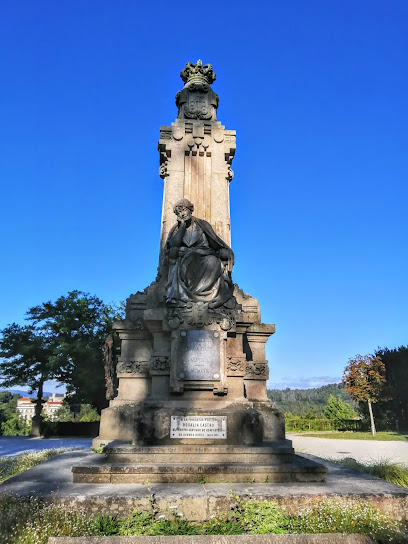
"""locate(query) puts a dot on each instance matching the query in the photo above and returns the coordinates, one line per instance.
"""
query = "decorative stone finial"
(198, 73)
(197, 100)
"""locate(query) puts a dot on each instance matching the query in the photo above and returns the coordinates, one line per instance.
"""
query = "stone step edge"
(195, 468)
(166, 449)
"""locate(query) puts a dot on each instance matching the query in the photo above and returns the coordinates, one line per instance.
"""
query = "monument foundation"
(191, 403)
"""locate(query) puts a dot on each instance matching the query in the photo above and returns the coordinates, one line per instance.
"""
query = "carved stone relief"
(164, 162)
(165, 134)
(257, 370)
(236, 366)
(198, 314)
(135, 369)
(163, 170)
(230, 174)
(159, 365)
(197, 100)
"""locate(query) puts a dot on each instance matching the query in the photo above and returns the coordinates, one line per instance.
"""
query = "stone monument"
(191, 403)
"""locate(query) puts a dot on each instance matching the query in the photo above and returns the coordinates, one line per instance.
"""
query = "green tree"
(25, 351)
(303, 402)
(8, 406)
(395, 405)
(364, 379)
(15, 426)
(62, 414)
(338, 410)
(88, 413)
(63, 341)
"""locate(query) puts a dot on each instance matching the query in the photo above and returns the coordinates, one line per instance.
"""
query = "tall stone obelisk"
(196, 153)
(191, 401)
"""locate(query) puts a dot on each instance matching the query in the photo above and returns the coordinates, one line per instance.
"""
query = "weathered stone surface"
(333, 538)
(149, 422)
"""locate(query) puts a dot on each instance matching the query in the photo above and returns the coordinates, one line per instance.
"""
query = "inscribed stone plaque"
(198, 427)
(198, 355)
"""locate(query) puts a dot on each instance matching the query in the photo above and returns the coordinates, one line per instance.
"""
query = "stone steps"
(300, 470)
(273, 453)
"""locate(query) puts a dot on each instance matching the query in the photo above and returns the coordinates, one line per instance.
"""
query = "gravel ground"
(361, 450)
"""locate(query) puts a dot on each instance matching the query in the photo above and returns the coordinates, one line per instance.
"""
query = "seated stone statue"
(200, 263)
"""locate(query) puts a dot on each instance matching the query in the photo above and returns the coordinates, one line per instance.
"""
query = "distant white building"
(53, 404)
(26, 406)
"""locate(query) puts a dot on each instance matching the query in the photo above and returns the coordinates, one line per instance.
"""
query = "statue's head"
(183, 209)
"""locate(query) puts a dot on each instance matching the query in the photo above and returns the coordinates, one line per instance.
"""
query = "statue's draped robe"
(198, 274)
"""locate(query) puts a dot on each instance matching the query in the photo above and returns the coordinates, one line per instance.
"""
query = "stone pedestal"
(192, 400)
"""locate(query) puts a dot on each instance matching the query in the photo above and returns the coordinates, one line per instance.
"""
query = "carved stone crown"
(198, 73)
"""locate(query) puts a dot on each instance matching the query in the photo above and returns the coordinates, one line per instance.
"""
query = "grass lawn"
(395, 473)
(29, 521)
(355, 435)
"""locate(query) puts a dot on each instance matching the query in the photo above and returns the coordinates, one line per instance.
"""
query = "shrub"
(395, 473)
(30, 521)
(330, 516)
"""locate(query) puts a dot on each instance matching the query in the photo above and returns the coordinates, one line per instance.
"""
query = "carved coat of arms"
(198, 106)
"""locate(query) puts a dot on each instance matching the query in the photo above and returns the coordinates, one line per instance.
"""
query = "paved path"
(361, 450)
(12, 445)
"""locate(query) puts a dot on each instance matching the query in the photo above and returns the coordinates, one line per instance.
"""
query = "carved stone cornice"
(257, 370)
(260, 332)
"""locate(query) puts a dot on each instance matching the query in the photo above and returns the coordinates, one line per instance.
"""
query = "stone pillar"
(196, 154)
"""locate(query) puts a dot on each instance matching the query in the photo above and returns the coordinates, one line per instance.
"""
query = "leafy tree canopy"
(338, 410)
(63, 341)
(15, 426)
(364, 379)
(395, 405)
(8, 406)
(307, 403)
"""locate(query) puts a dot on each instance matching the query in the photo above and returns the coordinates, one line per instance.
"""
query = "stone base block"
(147, 423)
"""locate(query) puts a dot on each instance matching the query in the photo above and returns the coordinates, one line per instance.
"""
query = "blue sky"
(317, 93)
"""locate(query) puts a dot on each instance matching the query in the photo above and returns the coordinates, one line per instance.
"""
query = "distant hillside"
(25, 393)
(300, 402)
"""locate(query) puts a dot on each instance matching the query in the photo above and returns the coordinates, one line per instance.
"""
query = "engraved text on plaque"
(198, 427)
(198, 355)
